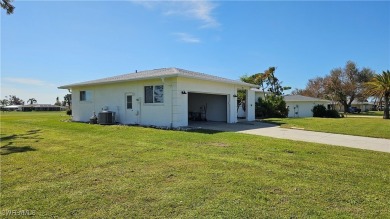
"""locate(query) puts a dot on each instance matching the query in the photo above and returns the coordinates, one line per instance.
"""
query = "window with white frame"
(154, 94)
(85, 95)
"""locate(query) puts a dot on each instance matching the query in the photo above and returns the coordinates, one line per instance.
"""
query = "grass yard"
(369, 113)
(372, 113)
(64, 169)
(359, 126)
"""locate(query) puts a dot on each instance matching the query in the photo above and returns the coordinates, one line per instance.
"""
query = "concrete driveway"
(270, 130)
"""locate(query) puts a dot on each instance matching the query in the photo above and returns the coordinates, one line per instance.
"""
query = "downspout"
(171, 106)
(139, 111)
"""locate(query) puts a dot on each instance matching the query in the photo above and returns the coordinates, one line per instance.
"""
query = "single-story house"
(12, 107)
(42, 107)
(35, 107)
(162, 97)
(363, 106)
(301, 106)
(298, 105)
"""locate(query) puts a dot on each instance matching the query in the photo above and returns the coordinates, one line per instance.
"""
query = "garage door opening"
(207, 107)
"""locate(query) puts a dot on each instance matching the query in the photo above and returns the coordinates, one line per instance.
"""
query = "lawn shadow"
(272, 121)
(10, 137)
(217, 127)
(205, 131)
(9, 149)
(31, 134)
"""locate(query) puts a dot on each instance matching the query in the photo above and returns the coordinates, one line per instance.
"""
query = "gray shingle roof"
(301, 98)
(158, 73)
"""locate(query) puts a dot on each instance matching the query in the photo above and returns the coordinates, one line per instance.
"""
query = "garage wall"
(216, 105)
(208, 87)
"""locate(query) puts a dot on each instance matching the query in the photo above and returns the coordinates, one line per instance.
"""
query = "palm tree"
(380, 86)
(6, 5)
(31, 101)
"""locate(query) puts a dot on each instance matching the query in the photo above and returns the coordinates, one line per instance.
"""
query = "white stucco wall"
(113, 98)
(302, 109)
(173, 112)
(250, 105)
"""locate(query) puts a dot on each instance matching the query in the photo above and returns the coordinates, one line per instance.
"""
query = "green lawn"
(359, 126)
(372, 113)
(63, 169)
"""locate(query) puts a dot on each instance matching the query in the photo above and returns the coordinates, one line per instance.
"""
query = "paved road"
(265, 129)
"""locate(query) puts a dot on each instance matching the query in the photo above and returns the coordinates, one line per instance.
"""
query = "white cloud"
(146, 4)
(201, 10)
(187, 38)
(28, 81)
(43, 94)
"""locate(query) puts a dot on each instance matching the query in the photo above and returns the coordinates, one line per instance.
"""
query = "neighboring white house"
(13, 107)
(298, 105)
(301, 106)
(42, 107)
(363, 106)
(161, 97)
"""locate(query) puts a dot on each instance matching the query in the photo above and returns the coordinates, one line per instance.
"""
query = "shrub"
(319, 111)
(332, 114)
(69, 112)
(274, 106)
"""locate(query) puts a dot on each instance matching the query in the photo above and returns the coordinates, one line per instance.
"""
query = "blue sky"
(45, 44)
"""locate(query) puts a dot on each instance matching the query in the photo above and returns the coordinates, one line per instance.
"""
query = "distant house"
(161, 97)
(33, 107)
(12, 107)
(298, 105)
(363, 106)
(41, 107)
(301, 106)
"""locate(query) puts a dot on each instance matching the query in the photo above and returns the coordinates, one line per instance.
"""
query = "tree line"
(349, 83)
(14, 100)
(342, 85)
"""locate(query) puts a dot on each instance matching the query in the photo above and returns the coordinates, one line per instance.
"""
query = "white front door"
(131, 109)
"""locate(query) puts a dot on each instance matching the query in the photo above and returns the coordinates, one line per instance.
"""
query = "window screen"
(83, 95)
(129, 101)
(148, 94)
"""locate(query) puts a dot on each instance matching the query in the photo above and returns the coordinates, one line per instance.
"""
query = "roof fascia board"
(216, 80)
(156, 77)
(114, 82)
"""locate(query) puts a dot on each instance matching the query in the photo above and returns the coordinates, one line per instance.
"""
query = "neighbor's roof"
(258, 90)
(40, 105)
(364, 103)
(300, 98)
(12, 106)
(158, 73)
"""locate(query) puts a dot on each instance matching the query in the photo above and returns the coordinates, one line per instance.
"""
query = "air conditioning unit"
(106, 118)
